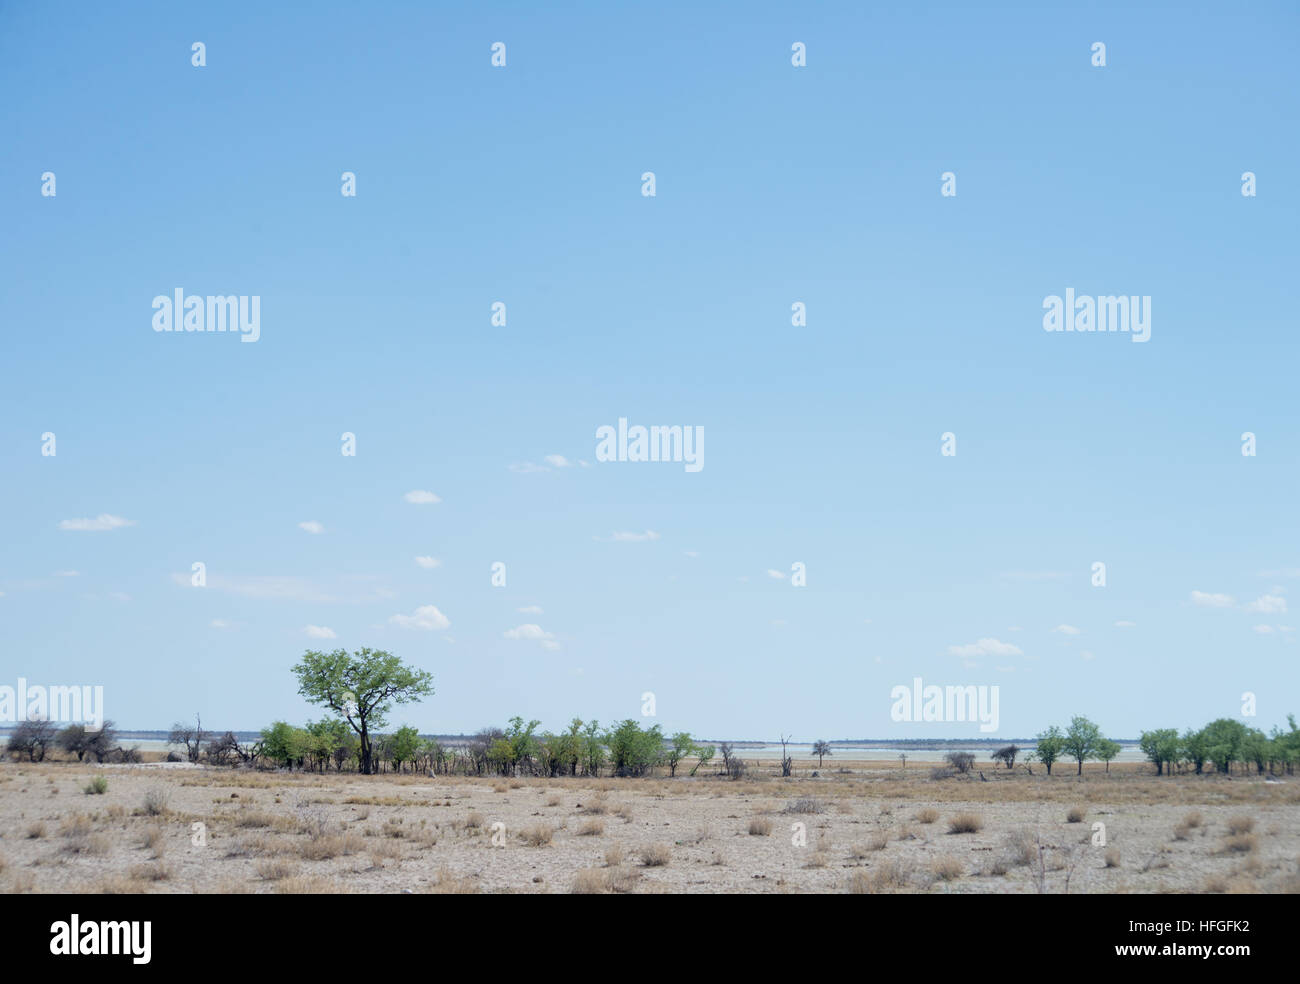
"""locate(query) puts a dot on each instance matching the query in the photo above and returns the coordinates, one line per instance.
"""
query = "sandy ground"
(871, 828)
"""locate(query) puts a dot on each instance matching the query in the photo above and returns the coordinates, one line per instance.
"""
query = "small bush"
(961, 761)
(1076, 814)
(274, 869)
(1241, 825)
(889, 877)
(927, 815)
(1020, 848)
(324, 848)
(537, 836)
(155, 802)
(1240, 843)
(149, 872)
(1193, 819)
(760, 827)
(1112, 857)
(805, 804)
(592, 828)
(655, 855)
(947, 869)
(965, 823)
(96, 787)
(153, 840)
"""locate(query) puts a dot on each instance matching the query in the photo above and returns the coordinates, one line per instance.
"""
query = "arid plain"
(854, 827)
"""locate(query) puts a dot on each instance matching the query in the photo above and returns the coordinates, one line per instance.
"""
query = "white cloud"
(100, 523)
(426, 617)
(530, 610)
(777, 575)
(428, 563)
(1014, 628)
(1264, 629)
(119, 596)
(692, 553)
(421, 497)
(527, 631)
(634, 537)
(533, 632)
(219, 623)
(311, 526)
(527, 468)
(1124, 624)
(986, 647)
(1268, 605)
(67, 573)
(1086, 655)
(1206, 600)
(1067, 629)
(320, 632)
(558, 461)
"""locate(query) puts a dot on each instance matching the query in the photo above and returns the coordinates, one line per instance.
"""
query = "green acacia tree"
(1225, 743)
(1107, 750)
(405, 745)
(1192, 749)
(1160, 747)
(680, 746)
(1051, 743)
(1081, 740)
(284, 744)
(361, 687)
(703, 756)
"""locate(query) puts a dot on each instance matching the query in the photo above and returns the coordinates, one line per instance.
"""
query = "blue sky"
(775, 184)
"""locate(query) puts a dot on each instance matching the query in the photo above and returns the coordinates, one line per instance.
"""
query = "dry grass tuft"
(965, 823)
(655, 855)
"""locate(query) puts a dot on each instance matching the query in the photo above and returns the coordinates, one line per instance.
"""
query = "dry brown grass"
(1241, 824)
(329, 846)
(655, 855)
(965, 823)
(592, 828)
(1075, 814)
(604, 881)
(888, 878)
(760, 827)
(947, 868)
(928, 815)
(274, 869)
(538, 835)
(1240, 843)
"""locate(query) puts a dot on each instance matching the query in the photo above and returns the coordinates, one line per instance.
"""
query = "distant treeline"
(361, 687)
